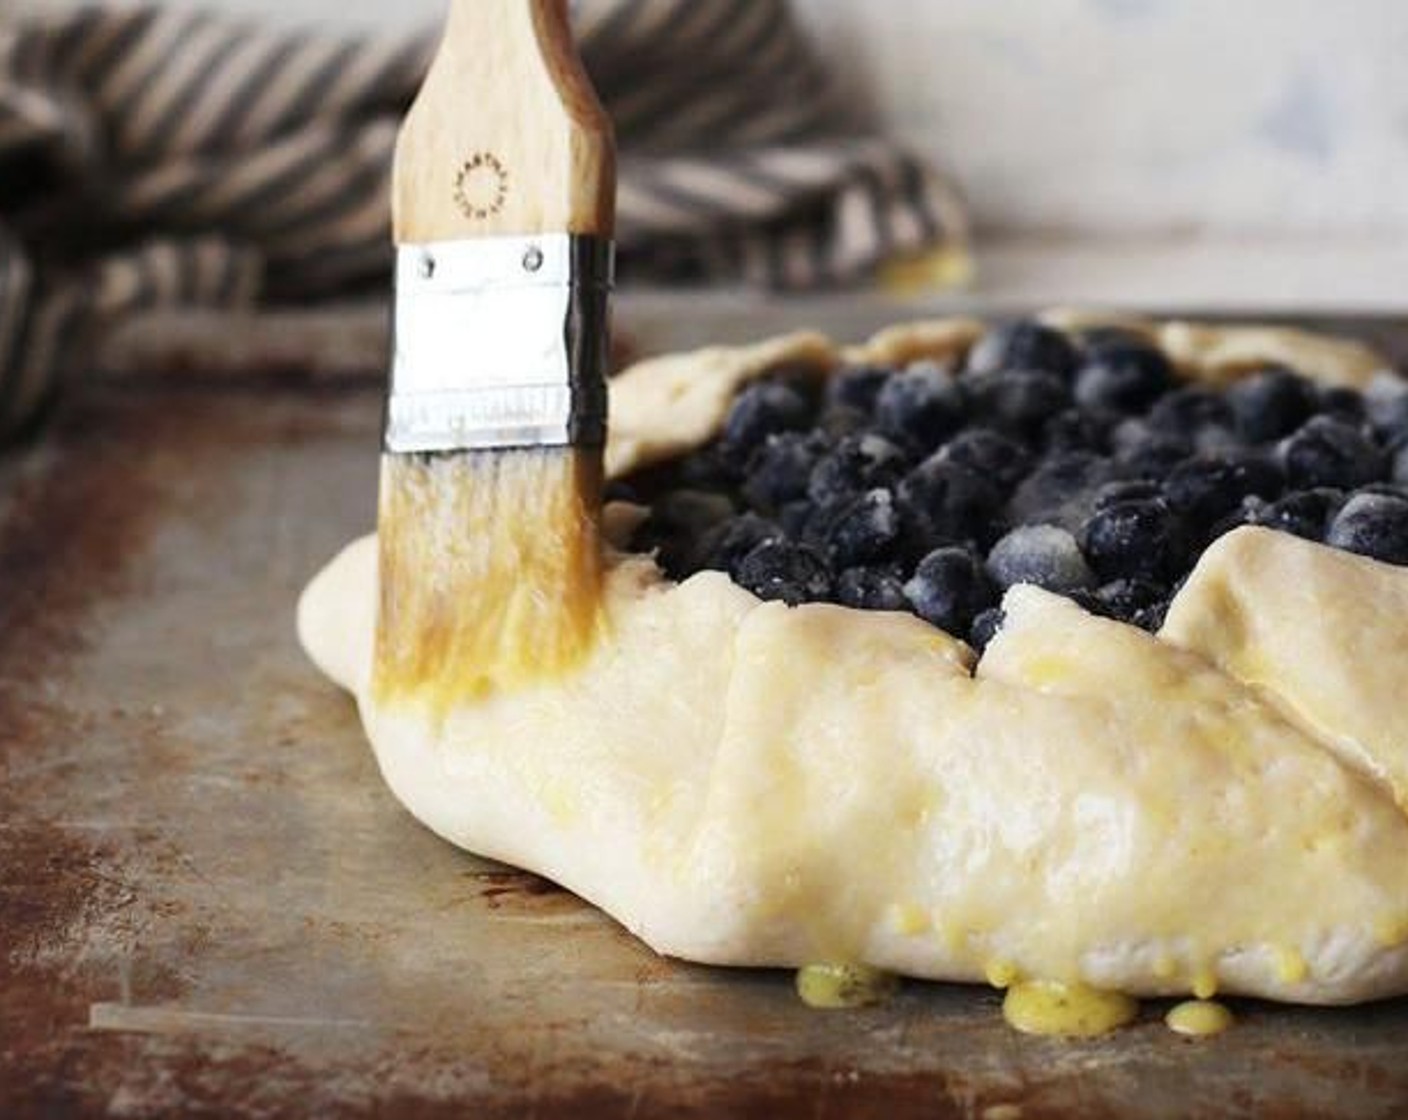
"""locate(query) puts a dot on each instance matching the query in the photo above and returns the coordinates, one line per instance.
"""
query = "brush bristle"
(490, 570)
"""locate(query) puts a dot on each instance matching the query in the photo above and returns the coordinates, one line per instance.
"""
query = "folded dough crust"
(742, 783)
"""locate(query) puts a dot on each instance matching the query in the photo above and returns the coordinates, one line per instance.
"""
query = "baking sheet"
(209, 904)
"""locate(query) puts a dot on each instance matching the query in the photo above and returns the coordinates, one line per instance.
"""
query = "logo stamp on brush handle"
(481, 186)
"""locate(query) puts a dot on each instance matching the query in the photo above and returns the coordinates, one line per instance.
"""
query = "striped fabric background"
(156, 158)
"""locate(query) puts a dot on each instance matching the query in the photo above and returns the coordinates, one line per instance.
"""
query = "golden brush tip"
(490, 570)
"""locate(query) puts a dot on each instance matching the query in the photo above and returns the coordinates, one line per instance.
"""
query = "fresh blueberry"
(693, 511)
(1329, 452)
(1024, 345)
(730, 541)
(1343, 403)
(1075, 430)
(1060, 491)
(619, 490)
(1123, 377)
(1133, 540)
(1151, 618)
(678, 526)
(1374, 525)
(779, 471)
(795, 517)
(1123, 599)
(1045, 555)
(1306, 513)
(944, 502)
(949, 589)
(758, 411)
(1271, 404)
(840, 420)
(856, 464)
(861, 531)
(920, 406)
(1206, 488)
(871, 589)
(857, 387)
(1386, 403)
(1126, 490)
(1141, 451)
(782, 570)
(1185, 412)
(1400, 465)
(1151, 460)
(710, 469)
(989, 453)
(985, 627)
(1018, 401)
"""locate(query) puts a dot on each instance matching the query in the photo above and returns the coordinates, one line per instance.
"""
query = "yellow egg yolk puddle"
(1049, 1007)
(833, 986)
(1198, 1018)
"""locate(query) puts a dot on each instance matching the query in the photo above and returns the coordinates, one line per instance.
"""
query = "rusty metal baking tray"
(209, 904)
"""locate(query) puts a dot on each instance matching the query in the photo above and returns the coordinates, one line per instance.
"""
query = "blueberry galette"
(1062, 652)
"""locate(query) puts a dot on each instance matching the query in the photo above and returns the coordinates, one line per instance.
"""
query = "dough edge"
(1347, 963)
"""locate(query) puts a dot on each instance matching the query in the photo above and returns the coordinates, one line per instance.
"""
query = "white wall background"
(1164, 117)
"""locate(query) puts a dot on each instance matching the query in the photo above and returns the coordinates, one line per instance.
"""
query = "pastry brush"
(503, 205)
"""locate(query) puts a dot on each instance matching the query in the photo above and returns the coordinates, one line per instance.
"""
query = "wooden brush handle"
(506, 136)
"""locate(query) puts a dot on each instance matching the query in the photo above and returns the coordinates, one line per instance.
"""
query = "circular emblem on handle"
(481, 186)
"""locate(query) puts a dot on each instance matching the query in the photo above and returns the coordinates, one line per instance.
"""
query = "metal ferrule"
(499, 342)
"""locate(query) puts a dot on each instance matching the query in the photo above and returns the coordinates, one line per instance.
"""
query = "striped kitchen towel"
(154, 158)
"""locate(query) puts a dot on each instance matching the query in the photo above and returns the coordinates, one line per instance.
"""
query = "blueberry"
(862, 530)
(1045, 555)
(944, 502)
(1150, 460)
(920, 406)
(1125, 490)
(782, 570)
(1024, 345)
(1074, 430)
(758, 411)
(730, 541)
(1123, 377)
(990, 453)
(1207, 488)
(856, 464)
(1187, 411)
(842, 420)
(1386, 403)
(619, 490)
(1123, 599)
(693, 511)
(1151, 618)
(710, 469)
(1133, 539)
(1329, 452)
(1374, 525)
(678, 527)
(1017, 401)
(857, 387)
(779, 471)
(795, 517)
(1059, 491)
(985, 627)
(1342, 402)
(1306, 513)
(948, 589)
(871, 589)
(1271, 404)
(1400, 465)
